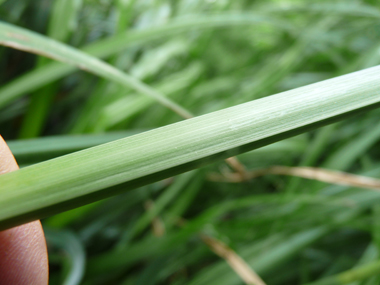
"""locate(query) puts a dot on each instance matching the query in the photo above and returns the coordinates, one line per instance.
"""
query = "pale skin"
(23, 253)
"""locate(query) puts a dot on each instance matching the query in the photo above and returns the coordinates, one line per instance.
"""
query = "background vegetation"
(204, 55)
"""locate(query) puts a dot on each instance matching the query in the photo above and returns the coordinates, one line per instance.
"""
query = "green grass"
(196, 58)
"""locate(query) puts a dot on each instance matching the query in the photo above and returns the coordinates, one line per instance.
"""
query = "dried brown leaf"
(324, 175)
(234, 261)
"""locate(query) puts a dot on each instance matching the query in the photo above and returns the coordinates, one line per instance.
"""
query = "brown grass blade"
(234, 260)
(324, 175)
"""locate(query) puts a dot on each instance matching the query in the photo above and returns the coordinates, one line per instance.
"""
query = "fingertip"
(23, 255)
(23, 252)
(7, 160)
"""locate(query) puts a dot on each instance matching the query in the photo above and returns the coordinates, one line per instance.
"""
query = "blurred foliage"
(205, 55)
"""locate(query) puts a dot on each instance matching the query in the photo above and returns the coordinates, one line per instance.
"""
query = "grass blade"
(74, 254)
(356, 274)
(237, 263)
(61, 24)
(25, 40)
(37, 150)
(314, 173)
(86, 176)
(113, 45)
